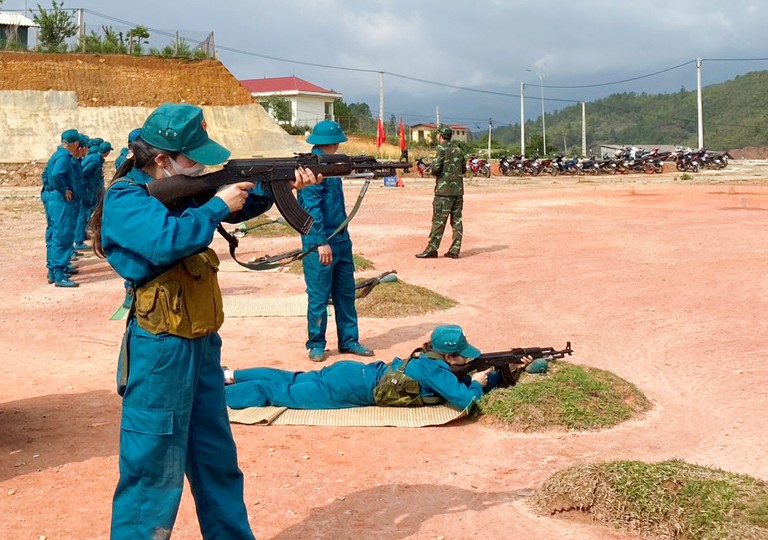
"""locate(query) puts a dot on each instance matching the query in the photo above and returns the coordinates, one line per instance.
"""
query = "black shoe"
(451, 255)
(426, 254)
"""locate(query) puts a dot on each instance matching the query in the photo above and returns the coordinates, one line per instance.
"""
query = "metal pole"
(583, 129)
(522, 119)
(381, 97)
(699, 103)
(543, 121)
(81, 28)
(490, 124)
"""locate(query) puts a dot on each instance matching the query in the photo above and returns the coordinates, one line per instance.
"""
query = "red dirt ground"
(655, 279)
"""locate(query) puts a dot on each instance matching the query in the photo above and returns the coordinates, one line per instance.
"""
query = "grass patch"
(361, 264)
(671, 499)
(568, 397)
(265, 227)
(400, 299)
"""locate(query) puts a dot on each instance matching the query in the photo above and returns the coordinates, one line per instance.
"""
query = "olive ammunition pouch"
(185, 301)
(396, 389)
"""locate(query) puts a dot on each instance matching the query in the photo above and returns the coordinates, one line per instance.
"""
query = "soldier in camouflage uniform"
(449, 167)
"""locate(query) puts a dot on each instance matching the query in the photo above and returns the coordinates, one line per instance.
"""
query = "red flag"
(380, 137)
(402, 134)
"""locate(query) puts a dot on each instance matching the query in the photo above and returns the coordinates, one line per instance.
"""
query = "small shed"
(14, 30)
(425, 132)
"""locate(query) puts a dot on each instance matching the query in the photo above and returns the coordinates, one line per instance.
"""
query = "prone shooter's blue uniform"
(347, 384)
(325, 203)
(174, 419)
(59, 176)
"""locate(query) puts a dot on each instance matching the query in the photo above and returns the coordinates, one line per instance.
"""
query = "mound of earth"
(123, 80)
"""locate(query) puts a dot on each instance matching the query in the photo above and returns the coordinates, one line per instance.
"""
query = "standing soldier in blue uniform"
(93, 176)
(424, 378)
(174, 418)
(329, 272)
(448, 167)
(57, 193)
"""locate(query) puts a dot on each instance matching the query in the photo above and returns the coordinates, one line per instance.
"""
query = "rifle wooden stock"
(276, 173)
(503, 361)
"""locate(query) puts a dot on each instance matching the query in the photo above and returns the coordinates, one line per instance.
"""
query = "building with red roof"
(309, 103)
(426, 132)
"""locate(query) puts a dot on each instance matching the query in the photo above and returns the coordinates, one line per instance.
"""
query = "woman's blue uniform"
(346, 384)
(325, 203)
(174, 419)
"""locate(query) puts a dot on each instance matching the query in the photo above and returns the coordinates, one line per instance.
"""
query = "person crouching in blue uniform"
(174, 419)
(59, 180)
(354, 384)
(329, 271)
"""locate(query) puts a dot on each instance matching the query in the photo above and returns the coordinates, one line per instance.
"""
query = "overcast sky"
(485, 45)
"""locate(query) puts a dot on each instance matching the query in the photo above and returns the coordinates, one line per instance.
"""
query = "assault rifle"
(276, 173)
(503, 362)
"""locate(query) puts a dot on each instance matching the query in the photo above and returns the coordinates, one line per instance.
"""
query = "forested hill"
(735, 116)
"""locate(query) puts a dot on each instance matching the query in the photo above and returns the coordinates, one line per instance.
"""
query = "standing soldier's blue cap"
(83, 140)
(450, 339)
(326, 132)
(70, 136)
(181, 128)
(95, 141)
(105, 147)
(133, 135)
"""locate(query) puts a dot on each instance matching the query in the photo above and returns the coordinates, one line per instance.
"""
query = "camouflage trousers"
(442, 209)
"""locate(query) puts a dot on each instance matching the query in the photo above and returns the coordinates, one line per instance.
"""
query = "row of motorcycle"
(625, 160)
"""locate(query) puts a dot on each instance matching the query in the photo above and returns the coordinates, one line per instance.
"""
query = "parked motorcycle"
(505, 165)
(478, 166)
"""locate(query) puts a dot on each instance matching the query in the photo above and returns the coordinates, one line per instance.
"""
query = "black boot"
(426, 254)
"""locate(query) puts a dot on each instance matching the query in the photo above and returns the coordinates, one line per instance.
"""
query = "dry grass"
(672, 499)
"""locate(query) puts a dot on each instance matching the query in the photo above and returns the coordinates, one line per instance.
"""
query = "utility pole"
(699, 103)
(81, 28)
(381, 97)
(543, 120)
(522, 119)
(490, 125)
(583, 129)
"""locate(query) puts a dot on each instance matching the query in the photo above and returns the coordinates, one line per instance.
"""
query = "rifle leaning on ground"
(365, 287)
(276, 174)
(504, 360)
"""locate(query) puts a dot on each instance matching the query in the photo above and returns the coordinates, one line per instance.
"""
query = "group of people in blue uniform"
(73, 183)
(175, 393)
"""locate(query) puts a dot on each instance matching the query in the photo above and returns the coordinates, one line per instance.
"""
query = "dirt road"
(658, 280)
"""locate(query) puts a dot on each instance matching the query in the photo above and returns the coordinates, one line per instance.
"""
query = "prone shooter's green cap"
(540, 365)
(181, 128)
(450, 339)
(70, 136)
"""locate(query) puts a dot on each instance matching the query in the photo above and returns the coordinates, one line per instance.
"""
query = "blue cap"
(70, 136)
(326, 132)
(95, 142)
(450, 339)
(181, 128)
(93, 149)
(105, 147)
(133, 135)
(83, 140)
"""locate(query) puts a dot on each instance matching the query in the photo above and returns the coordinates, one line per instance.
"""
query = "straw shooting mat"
(373, 416)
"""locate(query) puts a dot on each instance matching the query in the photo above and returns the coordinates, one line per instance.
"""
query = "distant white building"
(425, 132)
(309, 103)
(14, 29)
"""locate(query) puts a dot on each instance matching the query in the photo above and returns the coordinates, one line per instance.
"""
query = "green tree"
(56, 25)
(136, 36)
(278, 108)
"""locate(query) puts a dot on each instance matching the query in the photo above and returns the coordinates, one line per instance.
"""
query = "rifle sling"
(283, 259)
